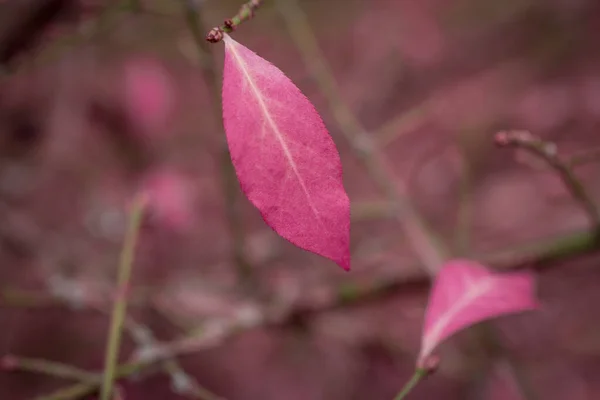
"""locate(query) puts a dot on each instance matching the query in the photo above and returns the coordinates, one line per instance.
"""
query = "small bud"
(215, 35)
(229, 25)
(501, 138)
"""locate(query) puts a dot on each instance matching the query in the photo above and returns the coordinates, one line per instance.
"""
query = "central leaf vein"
(274, 127)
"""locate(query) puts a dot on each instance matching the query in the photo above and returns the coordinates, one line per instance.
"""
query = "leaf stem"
(417, 377)
(120, 305)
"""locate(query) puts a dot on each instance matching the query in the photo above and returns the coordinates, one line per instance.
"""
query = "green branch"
(120, 306)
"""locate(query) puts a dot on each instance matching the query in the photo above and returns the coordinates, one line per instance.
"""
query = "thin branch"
(464, 228)
(425, 243)
(120, 306)
(23, 22)
(584, 157)
(548, 153)
(181, 381)
(408, 121)
(245, 13)
(101, 23)
(230, 187)
(135, 5)
(80, 390)
(46, 367)
(540, 255)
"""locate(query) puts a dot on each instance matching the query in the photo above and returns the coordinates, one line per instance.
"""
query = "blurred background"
(100, 100)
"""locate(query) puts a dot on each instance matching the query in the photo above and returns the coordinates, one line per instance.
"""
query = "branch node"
(229, 25)
(245, 13)
(548, 152)
(215, 35)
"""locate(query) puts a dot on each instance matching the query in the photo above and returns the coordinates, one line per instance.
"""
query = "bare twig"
(584, 157)
(135, 5)
(181, 381)
(548, 152)
(120, 306)
(231, 190)
(245, 13)
(425, 243)
(540, 255)
(23, 22)
(464, 227)
(79, 390)
(46, 367)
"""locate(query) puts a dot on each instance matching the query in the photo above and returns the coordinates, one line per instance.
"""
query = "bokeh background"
(111, 101)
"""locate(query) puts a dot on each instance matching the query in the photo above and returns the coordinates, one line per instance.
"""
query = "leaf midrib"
(274, 127)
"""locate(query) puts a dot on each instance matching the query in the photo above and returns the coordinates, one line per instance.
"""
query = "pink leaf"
(286, 162)
(465, 293)
(148, 94)
(169, 199)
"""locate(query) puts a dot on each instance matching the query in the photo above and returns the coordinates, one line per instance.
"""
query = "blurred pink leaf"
(169, 199)
(465, 293)
(148, 94)
(287, 164)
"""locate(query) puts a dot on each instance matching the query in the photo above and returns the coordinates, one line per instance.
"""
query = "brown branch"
(548, 153)
(245, 13)
(584, 157)
(23, 22)
(230, 187)
(540, 255)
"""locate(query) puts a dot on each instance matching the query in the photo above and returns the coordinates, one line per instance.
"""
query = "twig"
(540, 255)
(425, 243)
(548, 152)
(100, 24)
(408, 121)
(23, 22)
(584, 157)
(46, 367)
(181, 381)
(135, 5)
(245, 13)
(120, 306)
(79, 390)
(464, 215)
(231, 190)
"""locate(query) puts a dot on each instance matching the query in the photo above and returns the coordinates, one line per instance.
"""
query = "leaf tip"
(345, 264)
